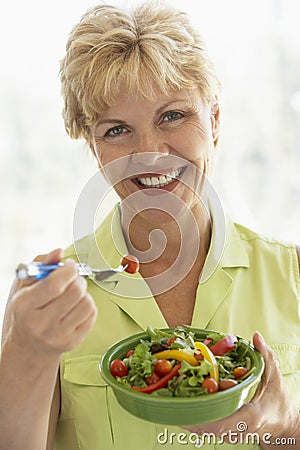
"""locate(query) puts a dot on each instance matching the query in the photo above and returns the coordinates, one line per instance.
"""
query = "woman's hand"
(43, 319)
(52, 315)
(270, 413)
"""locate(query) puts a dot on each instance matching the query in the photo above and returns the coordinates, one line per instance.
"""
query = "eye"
(171, 116)
(115, 131)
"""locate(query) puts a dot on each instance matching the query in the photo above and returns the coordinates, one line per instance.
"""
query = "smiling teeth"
(160, 181)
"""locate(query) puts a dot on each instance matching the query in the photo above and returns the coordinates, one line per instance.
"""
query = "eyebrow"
(165, 105)
(123, 122)
(112, 121)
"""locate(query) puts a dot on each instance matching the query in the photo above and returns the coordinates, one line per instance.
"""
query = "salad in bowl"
(182, 376)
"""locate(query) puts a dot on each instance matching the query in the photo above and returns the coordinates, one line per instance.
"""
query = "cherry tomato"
(239, 372)
(129, 353)
(152, 379)
(161, 383)
(133, 263)
(118, 368)
(226, 384)
(210, 385)
(162, 367)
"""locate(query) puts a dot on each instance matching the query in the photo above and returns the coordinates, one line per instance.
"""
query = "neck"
(159, 243)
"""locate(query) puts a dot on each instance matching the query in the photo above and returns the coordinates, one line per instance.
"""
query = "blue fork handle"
(35, 270)
(45, 269)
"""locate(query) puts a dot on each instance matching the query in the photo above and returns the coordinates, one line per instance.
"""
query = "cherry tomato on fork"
(132, 262)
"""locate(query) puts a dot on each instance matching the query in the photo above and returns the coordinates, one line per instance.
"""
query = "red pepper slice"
(207, 341)
(170, 341)
(224, 346)
(162, 382)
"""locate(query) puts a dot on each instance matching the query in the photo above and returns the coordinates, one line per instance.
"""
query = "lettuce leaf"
(140, 365)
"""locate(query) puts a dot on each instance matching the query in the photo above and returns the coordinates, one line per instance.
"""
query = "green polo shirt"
(254, 286)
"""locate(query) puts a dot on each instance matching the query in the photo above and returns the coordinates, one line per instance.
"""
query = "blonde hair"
(153, 48)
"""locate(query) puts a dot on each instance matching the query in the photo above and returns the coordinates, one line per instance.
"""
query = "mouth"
(160, 181)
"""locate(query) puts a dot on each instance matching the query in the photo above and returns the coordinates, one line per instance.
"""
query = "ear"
(215, 120)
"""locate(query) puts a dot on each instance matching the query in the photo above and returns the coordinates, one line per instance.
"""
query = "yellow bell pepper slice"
(179, 355)
(209, 356)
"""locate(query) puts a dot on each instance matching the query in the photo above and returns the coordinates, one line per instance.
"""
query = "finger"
(272, 375)
(259, 343)
(74, 295)
(80, 313)
(52, 257)
(83, 329)
(58, 308)
(269, 356)
(40, 293)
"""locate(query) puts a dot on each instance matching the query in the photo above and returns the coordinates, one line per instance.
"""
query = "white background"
(255, 45)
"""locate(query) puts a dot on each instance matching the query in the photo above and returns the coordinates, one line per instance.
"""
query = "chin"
(158, 207)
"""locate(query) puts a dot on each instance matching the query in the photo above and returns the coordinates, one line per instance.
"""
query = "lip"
(152, 190)
(159, 172)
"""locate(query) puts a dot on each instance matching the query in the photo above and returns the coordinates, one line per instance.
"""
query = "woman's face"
(154, 147)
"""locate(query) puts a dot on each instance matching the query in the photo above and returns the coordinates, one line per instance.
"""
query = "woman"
(142, 92)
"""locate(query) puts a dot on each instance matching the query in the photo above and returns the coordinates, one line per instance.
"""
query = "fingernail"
(70, 261)
(261, 336)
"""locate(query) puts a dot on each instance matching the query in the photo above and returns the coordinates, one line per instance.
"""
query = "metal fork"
(37, 271)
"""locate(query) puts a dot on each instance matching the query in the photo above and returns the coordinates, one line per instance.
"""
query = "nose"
(150, 149)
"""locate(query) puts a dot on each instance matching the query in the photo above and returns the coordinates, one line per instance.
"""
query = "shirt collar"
(226, 247)
(226, 250)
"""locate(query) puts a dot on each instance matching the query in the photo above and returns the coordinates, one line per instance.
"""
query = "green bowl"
(180, 410)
